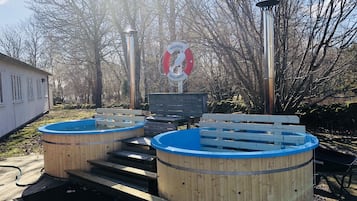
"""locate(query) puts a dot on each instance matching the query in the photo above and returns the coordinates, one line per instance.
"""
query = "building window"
(16, 88)
(30, 89)
(1, 96)
(39, 88)
(44, 88)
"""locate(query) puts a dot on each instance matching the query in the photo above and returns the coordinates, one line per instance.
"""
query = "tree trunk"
(172, 21)
(99, 87)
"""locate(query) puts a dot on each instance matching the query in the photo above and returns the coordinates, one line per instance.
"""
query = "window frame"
(30, 91)
(16, 88)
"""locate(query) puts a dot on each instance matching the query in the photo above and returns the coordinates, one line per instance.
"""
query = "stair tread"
(113, 185)
(127, 180)
(124, 168)
(146, 141)
(134, 155)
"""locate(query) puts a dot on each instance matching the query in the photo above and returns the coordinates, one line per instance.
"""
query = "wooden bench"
(243, 132)
(178, 109)
(117, 117)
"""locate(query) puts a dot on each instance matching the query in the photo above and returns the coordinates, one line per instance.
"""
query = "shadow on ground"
(68, 192)
(329, 189)
(54, 189)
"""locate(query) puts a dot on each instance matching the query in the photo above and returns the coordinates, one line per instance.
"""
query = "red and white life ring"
(177, 72)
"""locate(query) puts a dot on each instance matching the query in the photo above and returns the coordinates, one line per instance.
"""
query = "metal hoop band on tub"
(217, 172)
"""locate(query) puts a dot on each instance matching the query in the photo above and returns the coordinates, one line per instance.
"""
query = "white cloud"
(2, 2)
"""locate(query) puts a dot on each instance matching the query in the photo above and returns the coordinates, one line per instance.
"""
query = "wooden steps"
(139, 144)
(129, 173)
(145, 141)
(133, 156)
(114, 186)
(134, 159)
(122, 168)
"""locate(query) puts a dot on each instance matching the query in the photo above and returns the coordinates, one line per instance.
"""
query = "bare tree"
(139, 15)
(120, 22)
(172, 20)
(11, 42)
(230, 30)
(311, 38)
(32, 42)
(225, 35)
(81, 27)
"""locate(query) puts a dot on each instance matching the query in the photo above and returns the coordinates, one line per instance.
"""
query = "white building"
(24, 93)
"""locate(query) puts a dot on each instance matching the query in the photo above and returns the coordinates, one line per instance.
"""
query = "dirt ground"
(328, 189)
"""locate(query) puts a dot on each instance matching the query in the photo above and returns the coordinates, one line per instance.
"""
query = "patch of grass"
(28, 139)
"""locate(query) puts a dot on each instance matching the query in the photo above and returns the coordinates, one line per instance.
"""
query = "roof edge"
(12, 60)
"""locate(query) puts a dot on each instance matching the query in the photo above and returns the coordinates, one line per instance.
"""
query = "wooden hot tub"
(69, 145)
(194, 165)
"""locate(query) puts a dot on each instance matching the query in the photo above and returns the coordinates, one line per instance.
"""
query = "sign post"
(182, 66)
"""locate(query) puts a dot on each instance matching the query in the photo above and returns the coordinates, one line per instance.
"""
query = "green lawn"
(28, 140)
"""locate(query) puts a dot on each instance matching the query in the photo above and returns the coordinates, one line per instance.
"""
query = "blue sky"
(12, 12)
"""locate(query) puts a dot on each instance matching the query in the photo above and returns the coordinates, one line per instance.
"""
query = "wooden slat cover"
(119, 111)
(253, 127)
(239, 145)
(250, 132)
(114, 124)
(121, 118)
(292, 119)
(260, 137)
(117, 117)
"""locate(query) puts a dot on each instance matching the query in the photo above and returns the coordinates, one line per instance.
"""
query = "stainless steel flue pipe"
(268, 59)
(130, 45)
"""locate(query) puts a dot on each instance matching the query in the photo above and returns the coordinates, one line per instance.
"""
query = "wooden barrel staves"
(237, 157)
(197, 178)
(71, 149)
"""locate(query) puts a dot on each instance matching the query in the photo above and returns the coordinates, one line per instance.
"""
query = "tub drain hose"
(19, 175)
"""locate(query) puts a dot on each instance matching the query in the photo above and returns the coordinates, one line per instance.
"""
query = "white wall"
(16, 113)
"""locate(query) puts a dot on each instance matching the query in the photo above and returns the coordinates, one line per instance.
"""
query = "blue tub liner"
(86, 126)
(187, 143)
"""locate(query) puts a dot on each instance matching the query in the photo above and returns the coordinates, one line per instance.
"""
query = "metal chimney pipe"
(130, 45)
(268, 59)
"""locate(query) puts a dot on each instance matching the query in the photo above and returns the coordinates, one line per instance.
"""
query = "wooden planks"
(65, 152)
(117, 117)
(184, 105)
(209, 179)
(250, 132)
(123, 168)
(144, 141)
(292, 119)
(114, 186)
(119, 111)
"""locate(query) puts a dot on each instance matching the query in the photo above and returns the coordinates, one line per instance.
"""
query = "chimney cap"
(267, 3)
(128, 29)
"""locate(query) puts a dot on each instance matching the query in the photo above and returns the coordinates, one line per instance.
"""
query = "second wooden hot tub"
(235, 159)
(69, 145)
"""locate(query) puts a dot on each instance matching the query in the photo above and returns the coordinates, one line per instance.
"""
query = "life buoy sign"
(178, 72)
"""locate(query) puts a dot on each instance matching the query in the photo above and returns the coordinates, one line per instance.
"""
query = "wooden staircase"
(129, 174)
